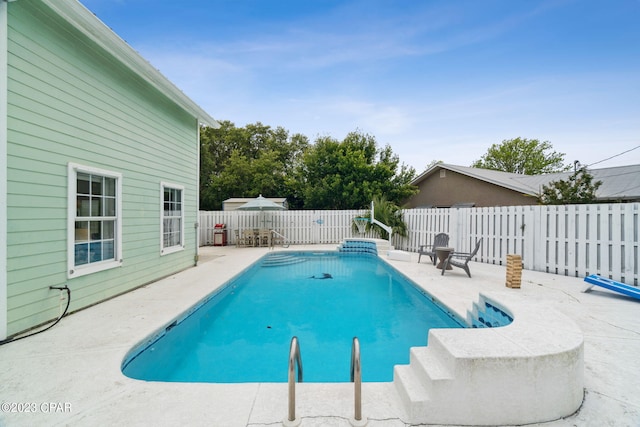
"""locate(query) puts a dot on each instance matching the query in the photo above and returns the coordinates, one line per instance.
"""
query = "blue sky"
(434, 79)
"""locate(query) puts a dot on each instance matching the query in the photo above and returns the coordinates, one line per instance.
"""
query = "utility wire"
(620, 154)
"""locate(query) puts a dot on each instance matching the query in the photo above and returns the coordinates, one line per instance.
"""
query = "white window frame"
(82, 270)
(180, 246)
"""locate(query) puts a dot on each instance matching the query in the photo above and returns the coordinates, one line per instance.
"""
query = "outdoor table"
(443, 253)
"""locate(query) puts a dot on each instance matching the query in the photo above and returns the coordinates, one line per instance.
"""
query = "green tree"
(523, 156)
(248, 161)
(348, 174)
(578, 188)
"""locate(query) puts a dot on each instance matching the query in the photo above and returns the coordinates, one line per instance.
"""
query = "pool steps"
(430, 369)
(276, 260)
(495, 372)
(489, 316)
(361, 245)
(371, 246)
(426, 376)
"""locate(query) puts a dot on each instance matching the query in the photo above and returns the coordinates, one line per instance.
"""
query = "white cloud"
(422, 80)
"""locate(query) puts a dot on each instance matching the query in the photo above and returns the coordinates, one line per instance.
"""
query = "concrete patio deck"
(70, 375)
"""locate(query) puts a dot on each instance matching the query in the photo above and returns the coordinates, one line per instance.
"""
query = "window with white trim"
(172, 221)
(94, 220)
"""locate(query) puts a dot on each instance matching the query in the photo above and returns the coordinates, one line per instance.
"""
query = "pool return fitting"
(295, 359)
(57, 288)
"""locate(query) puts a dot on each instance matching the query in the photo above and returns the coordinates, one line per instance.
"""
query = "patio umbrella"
(261, 204)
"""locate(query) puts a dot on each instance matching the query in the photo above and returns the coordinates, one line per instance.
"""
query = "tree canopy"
(348, 174)
(247, 162)
(328, 174)
(523, 156)
(578, 188)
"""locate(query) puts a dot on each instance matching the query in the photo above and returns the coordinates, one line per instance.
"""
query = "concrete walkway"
(70, 375)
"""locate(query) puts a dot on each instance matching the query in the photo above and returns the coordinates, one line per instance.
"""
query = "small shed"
(235, 202)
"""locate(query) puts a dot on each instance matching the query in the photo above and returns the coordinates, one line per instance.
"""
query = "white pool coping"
(76, 364)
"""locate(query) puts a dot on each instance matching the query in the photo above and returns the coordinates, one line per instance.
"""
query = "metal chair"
(249, 237)
(239, 240)
(461, 259)
(264, 237)
(441, 240)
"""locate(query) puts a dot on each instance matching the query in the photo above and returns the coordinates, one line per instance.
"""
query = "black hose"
(63, 288)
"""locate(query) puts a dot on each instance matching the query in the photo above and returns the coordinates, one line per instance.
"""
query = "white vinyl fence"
(299, 227)
(572, 240)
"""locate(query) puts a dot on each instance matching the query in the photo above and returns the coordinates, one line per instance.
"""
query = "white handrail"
(284, 239)
(382, 225)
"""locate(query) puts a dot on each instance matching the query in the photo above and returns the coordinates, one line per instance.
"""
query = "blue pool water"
(243, 332)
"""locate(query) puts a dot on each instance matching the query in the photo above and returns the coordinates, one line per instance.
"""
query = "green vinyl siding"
(70, 102)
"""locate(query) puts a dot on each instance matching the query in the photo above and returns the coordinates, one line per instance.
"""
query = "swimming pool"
(241, 333)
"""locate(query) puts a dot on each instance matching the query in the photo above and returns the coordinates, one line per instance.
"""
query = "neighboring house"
(235, 202)
(98, 164)
(444, 186)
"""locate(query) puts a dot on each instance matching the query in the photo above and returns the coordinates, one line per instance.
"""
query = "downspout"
(197, 223)
(4, 81)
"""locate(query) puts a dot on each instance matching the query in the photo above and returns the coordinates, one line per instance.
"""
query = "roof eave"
(94, 29)
(464, 171)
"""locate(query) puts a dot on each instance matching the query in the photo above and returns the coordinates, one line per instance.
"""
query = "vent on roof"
(443, 173)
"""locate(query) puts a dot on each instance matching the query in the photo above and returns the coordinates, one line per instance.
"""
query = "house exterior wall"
(445, 188)
(70, 102)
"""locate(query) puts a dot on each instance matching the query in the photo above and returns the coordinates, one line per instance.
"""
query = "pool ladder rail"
(295, 359)
(278, 239)
(356, 379)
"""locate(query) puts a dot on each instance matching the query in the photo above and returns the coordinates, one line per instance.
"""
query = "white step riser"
(410, 389)
(442, 353)
(428, 367)
(428, 377)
